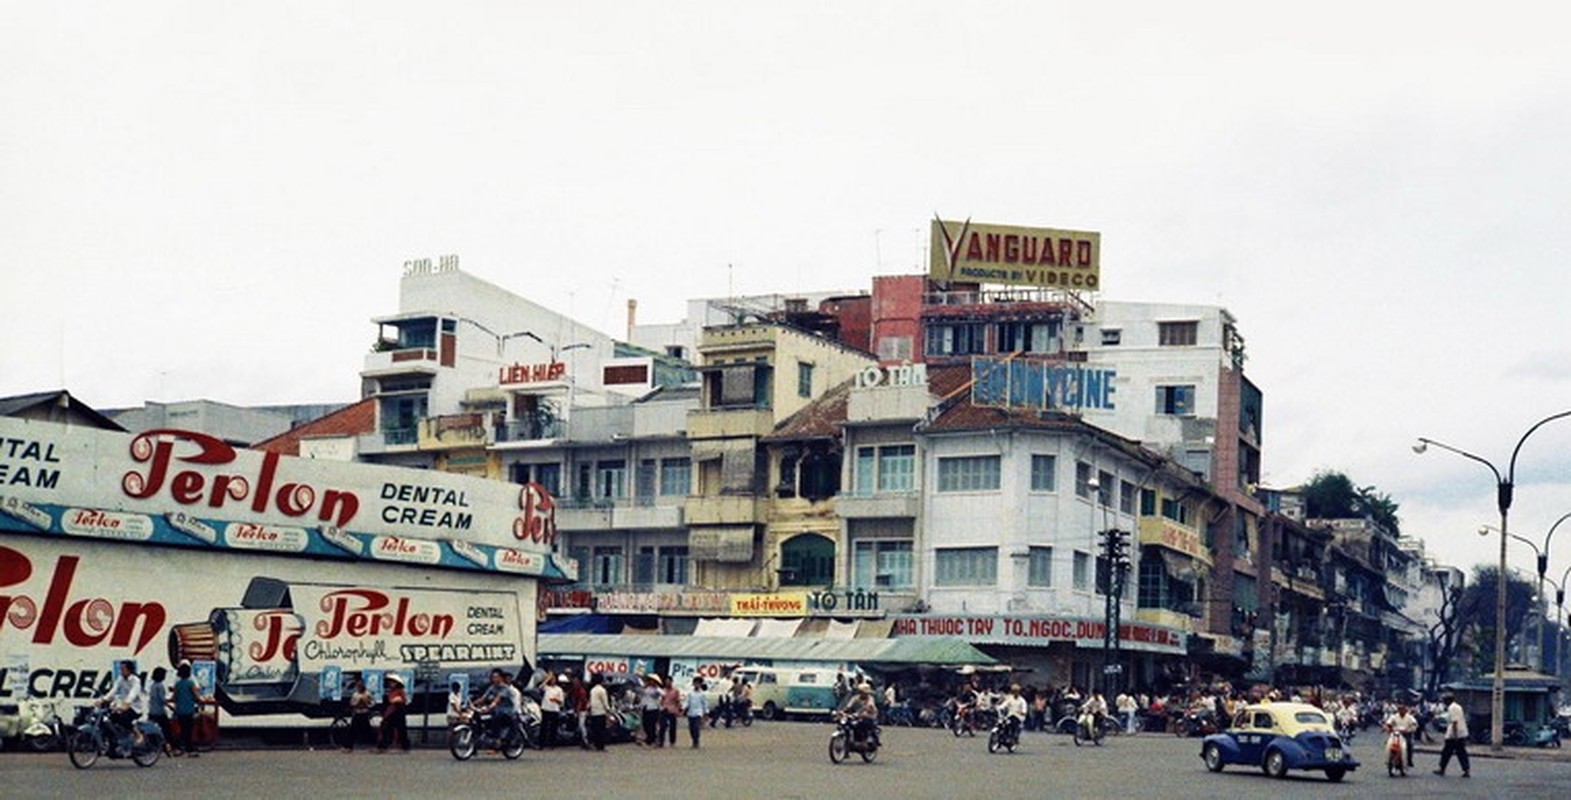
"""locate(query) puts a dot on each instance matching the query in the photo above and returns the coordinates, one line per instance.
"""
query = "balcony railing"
(396, 436)
(531, 430)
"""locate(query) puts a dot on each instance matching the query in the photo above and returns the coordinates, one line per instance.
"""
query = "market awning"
(939, 651)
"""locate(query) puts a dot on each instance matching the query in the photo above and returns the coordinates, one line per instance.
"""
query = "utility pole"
(1115, 551)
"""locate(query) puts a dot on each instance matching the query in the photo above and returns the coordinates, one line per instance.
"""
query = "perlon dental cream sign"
(975, 252)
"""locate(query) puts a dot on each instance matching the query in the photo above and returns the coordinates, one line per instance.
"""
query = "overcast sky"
(211, 199)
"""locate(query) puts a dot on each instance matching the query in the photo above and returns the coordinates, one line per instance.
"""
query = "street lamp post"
(1505, 486)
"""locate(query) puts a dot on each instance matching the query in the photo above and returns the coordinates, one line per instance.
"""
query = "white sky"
(211, 199)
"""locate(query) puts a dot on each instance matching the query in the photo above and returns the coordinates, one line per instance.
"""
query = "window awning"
(937, 651)
(730, 544)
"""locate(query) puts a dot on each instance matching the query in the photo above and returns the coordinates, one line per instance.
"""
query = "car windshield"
(1310, 718)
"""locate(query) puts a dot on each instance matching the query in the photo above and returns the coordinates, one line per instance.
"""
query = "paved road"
(784, 760)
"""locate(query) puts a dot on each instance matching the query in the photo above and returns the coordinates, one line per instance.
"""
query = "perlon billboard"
(184, 488)
(975, 252)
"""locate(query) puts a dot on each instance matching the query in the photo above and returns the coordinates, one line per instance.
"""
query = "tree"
(1445, 636)
(1330, 494)
(1476, 609)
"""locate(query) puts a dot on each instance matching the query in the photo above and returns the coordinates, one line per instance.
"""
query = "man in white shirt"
(1404, 723)
(1012, 709)
(1126, 710)
(127, 702)
(1456, 737)
(599, 709)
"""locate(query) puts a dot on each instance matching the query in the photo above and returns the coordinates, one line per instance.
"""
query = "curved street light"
(1505, 486)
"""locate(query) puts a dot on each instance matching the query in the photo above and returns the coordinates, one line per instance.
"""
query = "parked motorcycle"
(95, 735)
(1005, 735)
(476, 731)
(844, 741)
(43, 729)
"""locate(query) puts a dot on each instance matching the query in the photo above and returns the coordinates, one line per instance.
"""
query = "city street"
(784, 760)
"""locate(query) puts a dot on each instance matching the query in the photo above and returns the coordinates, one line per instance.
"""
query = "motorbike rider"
(1405, 723)
(863, 711)
(1092, 712)
(500, 700)
(127, 703)
(1012, 710)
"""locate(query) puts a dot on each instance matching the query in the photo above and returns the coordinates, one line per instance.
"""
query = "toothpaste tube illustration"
(343, 540)
(469, 552)
(17, 508)
(192, 527)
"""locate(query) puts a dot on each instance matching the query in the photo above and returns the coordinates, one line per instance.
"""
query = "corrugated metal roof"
(924, 650)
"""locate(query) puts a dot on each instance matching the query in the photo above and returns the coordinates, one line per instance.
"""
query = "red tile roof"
(351, 420)
(820, 419)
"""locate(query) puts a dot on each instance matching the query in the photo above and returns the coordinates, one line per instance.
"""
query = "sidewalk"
(1561, 754)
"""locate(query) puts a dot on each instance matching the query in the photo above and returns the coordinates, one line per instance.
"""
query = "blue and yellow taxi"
(1277, 737)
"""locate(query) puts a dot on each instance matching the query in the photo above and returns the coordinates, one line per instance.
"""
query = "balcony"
(879, 506)
(624, 513)
(456, 431)
(1163, 532)
(726, 423)
(531, 428)
(940, 303)
(1167, 617)
(725, 510)
(401, 361)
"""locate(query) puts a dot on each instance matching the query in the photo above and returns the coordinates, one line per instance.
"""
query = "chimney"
(632, 317)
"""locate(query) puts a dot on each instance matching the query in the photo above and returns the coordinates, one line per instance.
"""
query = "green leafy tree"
(1476, 612)
(1330, 494)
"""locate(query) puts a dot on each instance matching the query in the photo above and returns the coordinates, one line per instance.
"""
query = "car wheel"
(1276, 764)
(1213, 757)
(1335, 774)
(771, 711)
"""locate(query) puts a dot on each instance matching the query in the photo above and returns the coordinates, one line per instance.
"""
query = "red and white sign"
(510, 560)
(1040, 631)
(272, 538)
(531, 373)
(107, 525)
(409, 551)
(70, 607)
(114, 482)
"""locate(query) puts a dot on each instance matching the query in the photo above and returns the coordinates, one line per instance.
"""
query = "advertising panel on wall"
(1040, 631)
(976, 252)
(289, 576)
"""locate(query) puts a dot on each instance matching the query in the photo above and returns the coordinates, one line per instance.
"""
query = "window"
(1112, 337)
(968, 474)
(1104, 487)
(581, 490)
(866, 471)
(1082, 479)
(1152, 583)
(896, 468)
(807, 560)
(966, 566)
(645, 481)
(611, 478)
(1147, 502)
(401, 415)
(882, 565)
(1082, 571)
(890, 468)
(1177, 334)
(1028, 337)
(894, 348)
(607, 566)
(749, 385)
(1039, 570)
(804, 379)
(1178, 401)
(676, 477)
(1241, 548)
(1044, 476)
(961, 339)
(1126, 497)
(549, 476)
(1175, 511)
(672, 565)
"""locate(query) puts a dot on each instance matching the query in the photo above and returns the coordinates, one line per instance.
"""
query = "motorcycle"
(45, 730)
(844, 741)
(970, 719)
(473, 732)
(94, 735)
(1088, 728)
(1195, 723)
(1005, 735)
(1396, 753)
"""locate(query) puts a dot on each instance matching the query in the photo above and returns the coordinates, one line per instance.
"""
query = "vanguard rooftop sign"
(975, 252)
